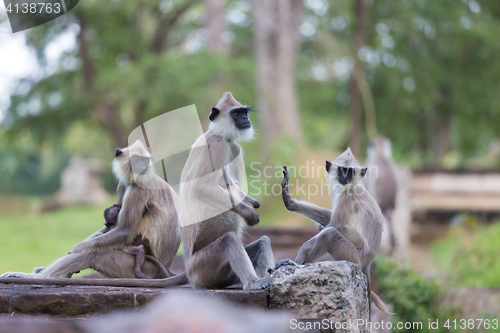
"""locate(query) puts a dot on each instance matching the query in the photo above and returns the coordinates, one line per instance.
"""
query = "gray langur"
(382, 184)
(148, 217)
(352, 228)
(215, 209)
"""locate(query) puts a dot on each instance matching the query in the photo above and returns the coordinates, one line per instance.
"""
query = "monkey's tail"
(174, 281)
(378, 302)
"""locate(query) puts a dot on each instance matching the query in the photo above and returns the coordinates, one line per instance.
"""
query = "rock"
(333, 290)
(177, 311)
(88, 300)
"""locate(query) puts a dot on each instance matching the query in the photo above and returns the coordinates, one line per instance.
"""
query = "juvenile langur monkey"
(352, 228)
(215, 210)
(382, 184)
(147, 216)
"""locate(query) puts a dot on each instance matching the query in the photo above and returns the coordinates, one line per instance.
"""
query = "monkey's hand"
(251, 201)
(285, 191)
(253, 219)
(250, 216)
(258, 284)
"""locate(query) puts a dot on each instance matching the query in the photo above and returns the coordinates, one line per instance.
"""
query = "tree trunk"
(355, 106)
(215, 25)
(106, 113)
(277, 43)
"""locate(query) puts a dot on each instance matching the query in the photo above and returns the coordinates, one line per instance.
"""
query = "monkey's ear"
(213, 114)
(118, 152)
(362, 172)
(328, 166)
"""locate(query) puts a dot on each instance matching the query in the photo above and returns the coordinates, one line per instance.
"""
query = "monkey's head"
(380, 146)
(133, 164)
(345, 170)
(111, 216)
(229, 119)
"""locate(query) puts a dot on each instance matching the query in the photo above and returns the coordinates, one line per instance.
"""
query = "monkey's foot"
(281, 263)
(16, 275)
(258, 284)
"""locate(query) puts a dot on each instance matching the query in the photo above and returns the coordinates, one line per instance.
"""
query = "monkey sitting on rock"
(215, 210)
(352, 229)
(147, 218)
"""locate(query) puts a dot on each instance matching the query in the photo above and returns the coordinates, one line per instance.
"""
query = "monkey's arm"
(211, 179)
(128, 220)
(318, 214)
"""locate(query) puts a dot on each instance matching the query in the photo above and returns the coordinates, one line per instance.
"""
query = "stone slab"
(86, 300)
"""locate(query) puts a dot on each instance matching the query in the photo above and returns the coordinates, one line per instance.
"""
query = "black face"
(139, 164)
(345, 175)
(240, 118)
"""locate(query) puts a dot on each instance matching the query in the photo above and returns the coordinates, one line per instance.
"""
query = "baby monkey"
(140, 248)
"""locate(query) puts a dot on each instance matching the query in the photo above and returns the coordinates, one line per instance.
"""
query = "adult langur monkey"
(352, 228)
(147, 216)
(215, 210)
(382, 184)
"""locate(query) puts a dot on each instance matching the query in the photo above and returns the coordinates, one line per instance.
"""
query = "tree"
(215, 26)
(277, 43)
(355, 106)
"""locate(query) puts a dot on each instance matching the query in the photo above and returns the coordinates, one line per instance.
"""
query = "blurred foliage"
(414, 299)
(431, 66)
(468, 257)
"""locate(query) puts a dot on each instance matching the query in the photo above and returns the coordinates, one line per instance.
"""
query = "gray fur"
(354, 228)
(211, 180)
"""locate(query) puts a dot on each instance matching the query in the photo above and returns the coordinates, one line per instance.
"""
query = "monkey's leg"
(63, 267)
(331, 241)
(140, 257)
(261, 255)
(209, 266)
(120, 264)
(166, 273)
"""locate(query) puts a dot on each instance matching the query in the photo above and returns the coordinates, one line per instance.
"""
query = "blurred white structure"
(81, 183)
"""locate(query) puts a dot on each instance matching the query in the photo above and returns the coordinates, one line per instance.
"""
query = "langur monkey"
(352, 228)
(215, 210)
(382, 184)
(147, 216)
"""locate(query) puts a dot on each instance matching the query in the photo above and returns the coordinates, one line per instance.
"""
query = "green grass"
(469, 257)
(29, 240)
